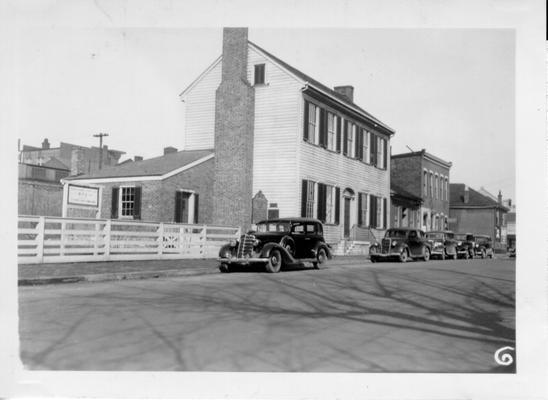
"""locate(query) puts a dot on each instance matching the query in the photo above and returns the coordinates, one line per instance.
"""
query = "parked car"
(401, 244)
(443, 244)
(484, 246)
(276, 243)
(466, 242)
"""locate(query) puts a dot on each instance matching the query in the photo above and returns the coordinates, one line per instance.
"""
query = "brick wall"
(39, 198)
(437, 205)
(479, 221)
(406, 173)
(158, 197)
(234, 119)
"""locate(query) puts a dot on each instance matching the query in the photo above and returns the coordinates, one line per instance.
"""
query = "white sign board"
(83, 195)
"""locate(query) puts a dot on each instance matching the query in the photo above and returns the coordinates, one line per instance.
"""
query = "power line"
(100, 136)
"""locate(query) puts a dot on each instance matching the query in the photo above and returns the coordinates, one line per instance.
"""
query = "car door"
(298, 234)
(414, 243)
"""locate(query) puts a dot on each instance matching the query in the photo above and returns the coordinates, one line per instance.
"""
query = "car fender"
(267, 249)
(224, 249)
(322, 245)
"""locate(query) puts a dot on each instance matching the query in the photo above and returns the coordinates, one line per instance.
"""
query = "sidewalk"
(42, 274)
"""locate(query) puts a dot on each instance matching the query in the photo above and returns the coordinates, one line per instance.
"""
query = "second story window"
(331, 132)
(259, 74)
(350, 140)
(431, 185)
(425, 183)
(365, 146)
(313, 125)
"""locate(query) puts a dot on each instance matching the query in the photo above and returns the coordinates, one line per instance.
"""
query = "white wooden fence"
(56, 239)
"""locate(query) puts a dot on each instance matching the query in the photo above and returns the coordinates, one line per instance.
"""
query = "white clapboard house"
(308, 148)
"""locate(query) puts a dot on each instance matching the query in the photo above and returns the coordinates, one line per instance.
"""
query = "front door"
(347, 217)
(182, 200)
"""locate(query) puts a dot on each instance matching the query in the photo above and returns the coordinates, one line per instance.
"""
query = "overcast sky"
(450, 91)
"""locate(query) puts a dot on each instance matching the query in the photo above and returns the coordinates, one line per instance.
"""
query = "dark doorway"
(347, 217)
(182, 200)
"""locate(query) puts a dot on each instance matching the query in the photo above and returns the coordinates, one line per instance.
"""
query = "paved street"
(440, 316)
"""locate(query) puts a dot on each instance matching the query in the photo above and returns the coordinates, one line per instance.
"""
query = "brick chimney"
(234, 121)
(169, 150)
(466, 195)
(45, 144)
(499, 197)
(77, 162)
(347, 91)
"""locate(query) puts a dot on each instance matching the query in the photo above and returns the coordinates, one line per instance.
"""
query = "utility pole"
(100, 136)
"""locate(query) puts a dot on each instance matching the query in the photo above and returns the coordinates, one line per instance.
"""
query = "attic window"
(259, 74)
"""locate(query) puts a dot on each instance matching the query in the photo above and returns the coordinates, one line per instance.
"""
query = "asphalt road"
(440, 316)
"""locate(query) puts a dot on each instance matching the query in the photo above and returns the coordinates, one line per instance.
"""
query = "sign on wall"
(83, 195)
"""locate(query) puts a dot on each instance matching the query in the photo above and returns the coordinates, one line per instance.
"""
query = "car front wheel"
(274, 263)
(426, 254)
(404, 256)
(224, 268)
(321, 258)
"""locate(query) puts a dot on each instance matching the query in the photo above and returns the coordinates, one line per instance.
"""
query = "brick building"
(425, 176)
(175, 187)
(78, 159)
(307, 148)
(474, 212)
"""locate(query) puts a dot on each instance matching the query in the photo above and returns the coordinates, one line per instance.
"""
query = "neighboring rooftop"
(156, 166)
(425, 154)
(457, 198)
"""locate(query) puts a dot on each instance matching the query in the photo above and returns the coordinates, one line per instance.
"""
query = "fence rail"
(56, 239)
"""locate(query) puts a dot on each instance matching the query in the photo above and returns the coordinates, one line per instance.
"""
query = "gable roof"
(55, 163)
(475, 198)
(313, 82)
(153, 167)
(301, 76)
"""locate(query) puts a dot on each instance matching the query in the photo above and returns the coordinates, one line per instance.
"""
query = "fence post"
(161, 239)
(63, 239)
(204, 241)
(40, 228)
(107, 240)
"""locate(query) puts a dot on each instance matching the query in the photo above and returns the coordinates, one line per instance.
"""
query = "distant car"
(466, 242)
(276, 243)
(443, 244)
(402, 244)
(484, 246)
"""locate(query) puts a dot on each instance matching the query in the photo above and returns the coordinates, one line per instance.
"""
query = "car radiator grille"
(245, 247)
(385, 246)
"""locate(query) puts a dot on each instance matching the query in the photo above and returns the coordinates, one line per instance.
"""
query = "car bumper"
(242, 261)
(385, 255)
(438, 251)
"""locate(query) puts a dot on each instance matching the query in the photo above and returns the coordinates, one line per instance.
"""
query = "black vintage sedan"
(402, 244)
(278, 242)
(466, 243)
(443, 244)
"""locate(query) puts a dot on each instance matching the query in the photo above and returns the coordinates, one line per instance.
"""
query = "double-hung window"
(431, 184)
(329, 204)
(331, 131)
(310, 199)
(313, 123)
(380, 152)
(365, 147)
(363, 209)
(350, 140)
(425, 183)
(259, 74)
(127, 201)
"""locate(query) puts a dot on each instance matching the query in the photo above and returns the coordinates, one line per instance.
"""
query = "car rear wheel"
(321, 259)
(404, 256)
(274, 263)
(224, 268)
(426, 254)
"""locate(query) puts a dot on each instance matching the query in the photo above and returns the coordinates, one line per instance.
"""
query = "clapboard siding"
(277, 110)
(200, 111)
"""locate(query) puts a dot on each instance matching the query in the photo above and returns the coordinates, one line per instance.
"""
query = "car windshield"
(470, 237)
(434, 235)
(282, 227)
(395, 233)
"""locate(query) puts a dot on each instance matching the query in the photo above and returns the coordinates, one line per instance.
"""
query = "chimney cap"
(170, 149)
(45, 143)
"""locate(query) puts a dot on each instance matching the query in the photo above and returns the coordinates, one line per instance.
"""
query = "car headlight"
(233, 243)
(459, 244)
(477, 245)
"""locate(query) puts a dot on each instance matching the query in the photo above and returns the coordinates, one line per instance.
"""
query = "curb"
(121, 276)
